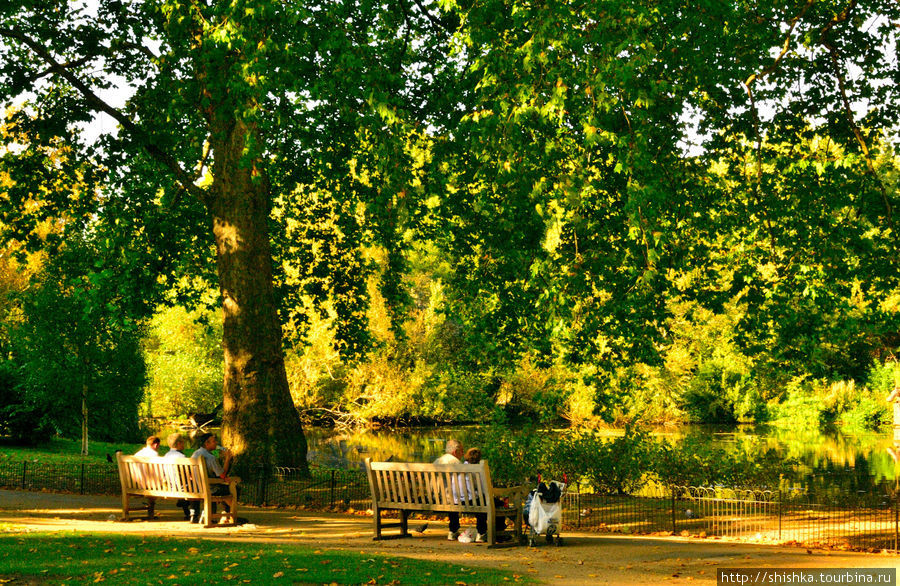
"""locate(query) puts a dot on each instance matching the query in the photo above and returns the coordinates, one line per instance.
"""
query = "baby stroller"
(543, 511)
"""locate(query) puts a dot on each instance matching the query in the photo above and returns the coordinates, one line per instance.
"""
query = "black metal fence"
(831, 513)
(322, 488)
(83, 478)
(859, 520)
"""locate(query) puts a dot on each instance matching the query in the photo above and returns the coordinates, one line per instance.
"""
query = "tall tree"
(198, 71)
(235, 103)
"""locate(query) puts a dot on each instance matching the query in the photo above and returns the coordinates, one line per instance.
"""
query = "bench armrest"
(515, 494)
(231, 480)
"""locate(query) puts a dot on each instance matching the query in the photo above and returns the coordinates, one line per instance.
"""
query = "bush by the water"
(624, 463)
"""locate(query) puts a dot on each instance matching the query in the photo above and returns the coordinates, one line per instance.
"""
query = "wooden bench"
(173, 478)
(439, 488)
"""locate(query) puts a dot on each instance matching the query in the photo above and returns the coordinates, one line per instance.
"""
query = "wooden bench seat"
(439, 488)
(173, 478)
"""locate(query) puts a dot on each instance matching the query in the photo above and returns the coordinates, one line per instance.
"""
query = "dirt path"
(584, 558)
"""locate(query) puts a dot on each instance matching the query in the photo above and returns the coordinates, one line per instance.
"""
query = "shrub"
(531, 391)
(694, 462)
(869, 412)
(454, 395)
(514, 455)
(882, 378)
(616, 466)
(580, 404)
(20, 419)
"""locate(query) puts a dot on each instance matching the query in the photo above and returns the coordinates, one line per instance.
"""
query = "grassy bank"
(59, 450)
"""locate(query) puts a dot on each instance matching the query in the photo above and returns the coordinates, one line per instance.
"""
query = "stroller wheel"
(549, 536)
(559, 540)
(530, 541)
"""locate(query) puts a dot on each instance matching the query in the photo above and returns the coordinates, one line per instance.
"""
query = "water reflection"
(814, 451)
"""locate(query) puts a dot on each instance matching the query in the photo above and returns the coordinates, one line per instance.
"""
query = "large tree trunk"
(260, 421)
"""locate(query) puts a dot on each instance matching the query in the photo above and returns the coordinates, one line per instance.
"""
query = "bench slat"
(461, 488)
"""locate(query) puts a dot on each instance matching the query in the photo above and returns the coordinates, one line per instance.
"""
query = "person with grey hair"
(176, 444)
(453, 453)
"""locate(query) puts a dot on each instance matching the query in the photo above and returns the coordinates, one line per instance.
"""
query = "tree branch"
(848, 110)
(54, 69)
(434, 20)
(784, 48)
(95, 102)
(142, 49)
(857, 132)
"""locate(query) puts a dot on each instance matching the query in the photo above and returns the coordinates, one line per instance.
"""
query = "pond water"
(814, 451)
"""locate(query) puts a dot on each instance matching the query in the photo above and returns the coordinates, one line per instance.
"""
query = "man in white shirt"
(453, 453)
(208, 443)
(151, 449)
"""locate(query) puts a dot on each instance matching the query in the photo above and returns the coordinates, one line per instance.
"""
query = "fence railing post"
(24, 471)
(81, 486)
(780, 514)
(261, 482)
(896, 523)
(332, 489)
(578, 505)
(672, 491)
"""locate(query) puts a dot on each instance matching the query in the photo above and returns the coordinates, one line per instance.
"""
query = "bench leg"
(233, 505)
(404, 523)
(376, 518)
(207, 513)
(125, 507)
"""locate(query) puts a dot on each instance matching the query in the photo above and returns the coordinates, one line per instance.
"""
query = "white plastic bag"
(538, 517)
(467, 536)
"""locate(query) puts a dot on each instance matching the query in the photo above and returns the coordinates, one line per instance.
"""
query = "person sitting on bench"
(208, 443)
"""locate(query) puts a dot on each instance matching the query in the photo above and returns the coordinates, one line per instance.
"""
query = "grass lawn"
(59, 451)
(77, 558)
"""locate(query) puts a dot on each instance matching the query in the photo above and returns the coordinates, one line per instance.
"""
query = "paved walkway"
(584, 558)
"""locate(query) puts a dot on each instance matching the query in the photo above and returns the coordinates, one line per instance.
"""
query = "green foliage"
(486, 204)
(869, 411)
(693, 461)
(78, 356)
(516, 455)
(883, 377)
(184, 362)
(798, 409)
(23, 419)
(813, 403)
(616, 466)
(455, 395)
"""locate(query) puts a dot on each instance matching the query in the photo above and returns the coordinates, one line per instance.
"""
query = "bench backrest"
(431, 487)
(163, 477)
